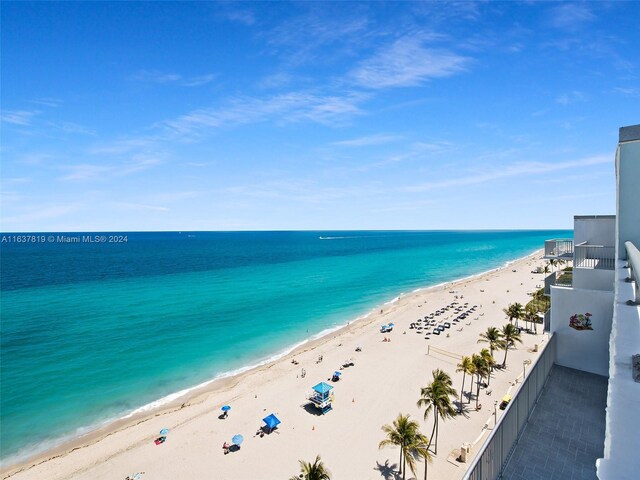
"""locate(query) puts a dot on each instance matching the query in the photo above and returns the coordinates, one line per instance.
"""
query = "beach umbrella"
(164, 431)
(226, 408)
(237, 439)
(271, 421)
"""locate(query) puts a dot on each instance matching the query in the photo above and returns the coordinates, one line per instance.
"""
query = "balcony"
(594, 257)
(562, 278)
(558, 249)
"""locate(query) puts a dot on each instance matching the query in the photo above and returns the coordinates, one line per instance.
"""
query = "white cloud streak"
(570, 16)
(162, 78)
(514, 170)
(284, 108)
(378, 139)
(18, 117)
(407, 63)
(90, 171)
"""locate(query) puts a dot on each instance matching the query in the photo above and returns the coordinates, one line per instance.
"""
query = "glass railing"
(494, 454)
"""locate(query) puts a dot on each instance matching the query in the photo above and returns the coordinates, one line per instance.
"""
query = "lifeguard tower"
(321, 397)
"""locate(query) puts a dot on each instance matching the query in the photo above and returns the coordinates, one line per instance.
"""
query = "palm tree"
(482, 369)
(490, 361)
(415, 450)
(403, 433)
(531, 315)
(513, 311)
(421, 449)
(466, 367)
(313, 471)
(493, 337)
(510, 335)
(436, 396)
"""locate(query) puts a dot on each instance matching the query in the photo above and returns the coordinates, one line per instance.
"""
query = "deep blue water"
(93, 331)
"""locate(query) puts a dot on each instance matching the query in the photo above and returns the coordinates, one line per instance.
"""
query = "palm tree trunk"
(426, 465)
(506, 350)
(477, 390)
(437, 430)
(404, 469)
(400, 462)
(435, 421)
(462, 389)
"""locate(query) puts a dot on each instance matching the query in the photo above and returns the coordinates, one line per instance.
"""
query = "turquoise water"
(93, 331)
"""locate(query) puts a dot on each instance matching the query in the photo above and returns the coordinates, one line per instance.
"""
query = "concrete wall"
(593, 279)
(596, 230)
(586, 350)
(628, 194)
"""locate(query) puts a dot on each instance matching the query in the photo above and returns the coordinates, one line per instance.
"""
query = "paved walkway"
(565, 434)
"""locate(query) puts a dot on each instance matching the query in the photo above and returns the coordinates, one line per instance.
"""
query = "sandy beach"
(384, 381)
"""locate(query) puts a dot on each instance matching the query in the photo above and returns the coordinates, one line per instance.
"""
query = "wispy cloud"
(18, 117)
(407, 63)
(378, 139)
(571, 97)
(303, 38)
(47, 102)
(91, 171)
(239, 15)
(632, 92)
(71, 127)
(126, 145)
(139, 206)
(85, 171)
(279, 79)
(284, 108)
(570, 16)
(514, 170)
(152, 76)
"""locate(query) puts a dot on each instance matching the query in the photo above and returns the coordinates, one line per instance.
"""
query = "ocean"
(96, 327)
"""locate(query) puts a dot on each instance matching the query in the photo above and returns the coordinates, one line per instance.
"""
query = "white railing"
(558, 248)
(633, 258)
(494, 455)
(594, 256)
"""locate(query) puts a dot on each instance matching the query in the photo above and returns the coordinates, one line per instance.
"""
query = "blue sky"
(254, 116)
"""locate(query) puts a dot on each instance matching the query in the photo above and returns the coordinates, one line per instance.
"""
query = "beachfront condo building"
(577, 414)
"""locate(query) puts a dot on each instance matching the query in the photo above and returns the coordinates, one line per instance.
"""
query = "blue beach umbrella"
(226, 408)
(164, 431)
(271, 421)
(237, 439)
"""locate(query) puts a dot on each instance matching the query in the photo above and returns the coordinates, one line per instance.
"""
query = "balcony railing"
(494, 454)
(547, 321)
(594, 256)
(633, 258)
(558, 248)
(561, 278)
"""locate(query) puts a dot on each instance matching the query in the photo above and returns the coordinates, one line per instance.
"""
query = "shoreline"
(226, 381)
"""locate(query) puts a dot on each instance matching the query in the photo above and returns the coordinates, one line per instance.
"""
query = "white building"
(594, 321)
(594, 309)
